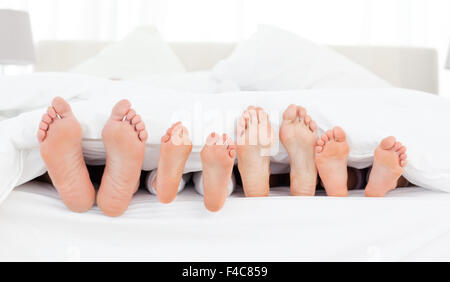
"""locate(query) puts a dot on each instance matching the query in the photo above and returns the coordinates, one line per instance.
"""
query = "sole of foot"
(124, 138)
(254, 141)
(59, 136)
(298, 134)
(217, 157)
(176, 147)
(331, 160)
(389, 161)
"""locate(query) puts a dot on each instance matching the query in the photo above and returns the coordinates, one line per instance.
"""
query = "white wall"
(424, 23)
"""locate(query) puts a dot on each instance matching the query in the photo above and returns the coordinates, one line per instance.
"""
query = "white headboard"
(413, 68)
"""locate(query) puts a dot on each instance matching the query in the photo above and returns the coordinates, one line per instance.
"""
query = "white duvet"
(419, 120)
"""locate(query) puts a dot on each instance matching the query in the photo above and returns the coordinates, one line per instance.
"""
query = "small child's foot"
(217, 156)
(124, 137)
(389, 160)
(175, 149)
(254, 141)
(298, 134)
(59, 137)
(331, 159)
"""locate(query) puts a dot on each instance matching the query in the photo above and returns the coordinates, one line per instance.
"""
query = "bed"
(408, 225)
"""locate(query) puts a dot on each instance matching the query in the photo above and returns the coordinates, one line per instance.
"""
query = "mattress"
(410, 224)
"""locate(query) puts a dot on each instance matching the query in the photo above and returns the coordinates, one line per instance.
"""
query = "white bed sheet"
(411, 224)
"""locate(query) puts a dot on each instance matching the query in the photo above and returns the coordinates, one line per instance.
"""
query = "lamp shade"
(16, 42)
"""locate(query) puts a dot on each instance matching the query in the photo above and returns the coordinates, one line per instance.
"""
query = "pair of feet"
(331, 159)
(255, 136)
(310, 156)
(217, 158)
(124, 138)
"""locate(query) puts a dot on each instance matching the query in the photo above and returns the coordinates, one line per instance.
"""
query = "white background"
(423, 23)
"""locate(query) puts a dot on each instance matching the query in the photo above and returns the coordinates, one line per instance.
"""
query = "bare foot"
(254, 140)
(124, 137)
(389, 160)
(217, 156)
(331, 159)
(298, 134)
(59, 136)
(175, 149)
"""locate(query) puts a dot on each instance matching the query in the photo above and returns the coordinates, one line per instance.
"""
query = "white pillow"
(275, 59)
(141, 52)
(199, 82)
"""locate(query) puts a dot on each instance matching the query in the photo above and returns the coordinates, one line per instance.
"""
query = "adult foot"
(298, 134)
(389, 160)
(254, 141)
(175, 149)
(124, 137)
(59, 137)
(331, 160)
(217, 156)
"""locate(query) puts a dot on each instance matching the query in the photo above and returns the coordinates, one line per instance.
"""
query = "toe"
(401, 150)
(47, 119)
(253, 117)
(170, 130)
(313, 126)
(120, 110)
(165, 138)
(246, 116)
(61, 107)
(325, 138)
(231, 147)
(143, 135)
(140, 126)
(259, 109)
(263, 118)
(240, 129)
(339, 134)
(223, 139)
(51, 112)
(396, 147)
(301, 112)
(232, 153)
(388, 143)
(131, 114)
(307, 120)
(403, 157)
(319, 149)
(136, 119)
(403, 163)
(212, 139)
(229, 142)
(43, 126)
(177, 133)
(290, 113)
(41, 135)
(320, 142)
(329, 135)
(184, 132)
